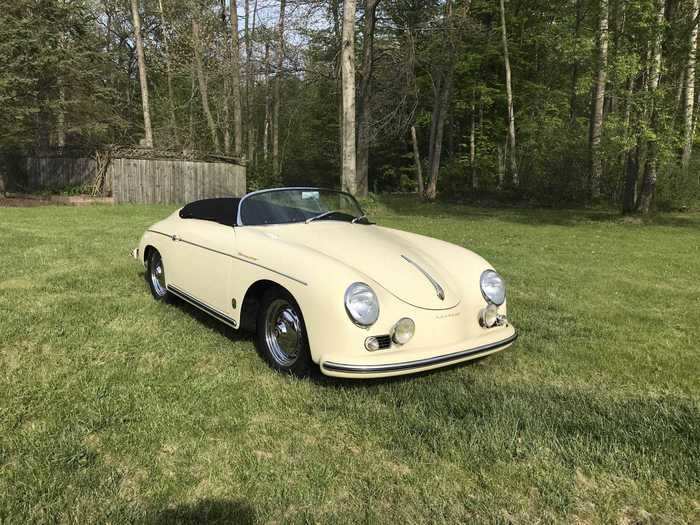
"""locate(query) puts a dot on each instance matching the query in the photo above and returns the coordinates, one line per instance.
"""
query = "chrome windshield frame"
(239, 222)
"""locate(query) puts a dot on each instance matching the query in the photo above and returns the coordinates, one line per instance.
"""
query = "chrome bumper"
(408, 366)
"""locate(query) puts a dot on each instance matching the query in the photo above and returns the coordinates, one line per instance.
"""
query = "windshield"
(283, 206)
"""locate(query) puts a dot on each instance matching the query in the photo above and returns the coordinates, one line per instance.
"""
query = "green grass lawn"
(114, 408)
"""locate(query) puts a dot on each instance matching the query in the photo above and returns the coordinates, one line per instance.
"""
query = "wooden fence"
(58, 172)
(171, 181)
(141, 180)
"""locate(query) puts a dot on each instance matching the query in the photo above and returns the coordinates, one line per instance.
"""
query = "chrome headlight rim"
(495, 300)
(402, 324)
(352, 290)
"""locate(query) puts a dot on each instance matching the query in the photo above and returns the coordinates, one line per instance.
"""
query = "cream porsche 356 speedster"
(318, 283)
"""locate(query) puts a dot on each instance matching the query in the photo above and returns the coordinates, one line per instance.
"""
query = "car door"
(204, 265)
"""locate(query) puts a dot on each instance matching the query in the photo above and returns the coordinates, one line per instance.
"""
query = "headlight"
(361, 304)
(493, 287)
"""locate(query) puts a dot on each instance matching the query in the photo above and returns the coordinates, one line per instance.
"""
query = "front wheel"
(281, 334)
(155, 275)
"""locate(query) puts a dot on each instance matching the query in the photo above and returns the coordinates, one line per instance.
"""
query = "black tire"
(281, 333)
(155, 277)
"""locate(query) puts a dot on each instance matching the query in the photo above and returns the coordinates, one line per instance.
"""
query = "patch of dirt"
(28, 200)
(15, 202)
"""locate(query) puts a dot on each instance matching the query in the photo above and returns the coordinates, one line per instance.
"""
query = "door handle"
(174, 237)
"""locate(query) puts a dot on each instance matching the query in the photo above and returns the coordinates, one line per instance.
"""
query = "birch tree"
(202, 81)
(472, 143)
(365, 93)
(347, 67)
(690, 91)
(236, 80)
(599, 100)
(227, 82)
(250, 79)
(416, 161)
(442, 96)
(277, 94)
(509, 98)
(169, 74)
(651, 167)
(143, 80)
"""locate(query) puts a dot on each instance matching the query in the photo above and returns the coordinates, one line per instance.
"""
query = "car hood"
(397, 264)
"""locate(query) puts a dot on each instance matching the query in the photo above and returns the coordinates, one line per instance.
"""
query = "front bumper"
(333, 368)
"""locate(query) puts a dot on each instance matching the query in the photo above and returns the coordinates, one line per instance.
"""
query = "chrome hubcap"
(158, 277)
(283, 332)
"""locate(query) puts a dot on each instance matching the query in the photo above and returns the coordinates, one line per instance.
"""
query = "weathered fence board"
(141, 180)
(58, 172)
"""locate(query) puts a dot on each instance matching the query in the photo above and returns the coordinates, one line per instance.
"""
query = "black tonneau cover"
(223, 210)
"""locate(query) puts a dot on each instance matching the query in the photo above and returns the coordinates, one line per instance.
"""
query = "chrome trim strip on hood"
(438, 289)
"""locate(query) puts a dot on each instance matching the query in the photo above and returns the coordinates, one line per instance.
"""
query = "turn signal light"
(372, 344)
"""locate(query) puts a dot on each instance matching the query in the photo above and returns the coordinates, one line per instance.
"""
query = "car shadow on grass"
(207, 511)
(209, 322)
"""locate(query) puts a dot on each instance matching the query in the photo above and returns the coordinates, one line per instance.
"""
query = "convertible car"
(319, 283)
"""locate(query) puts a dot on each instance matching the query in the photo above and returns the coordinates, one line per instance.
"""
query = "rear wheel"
(281, 333)
(155, 275)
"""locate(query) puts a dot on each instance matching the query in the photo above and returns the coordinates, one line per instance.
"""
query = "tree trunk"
(236, 79)
(599, 100)
(268, 105)
(434, 118)
(440, 111)
(501, 167)
(337, 32)
(347, 66)
(574, 71)
(629, 194)
(201, 79)
(509, 96)
(250, 83)
(650, 172)
(193, 90)
(416, 160)
(442, 93)
(227, 85)
(472, 144)
(689, 93)
(363, 110)
(143, 80)
(276, 164)
(61, 117)
(169, 73)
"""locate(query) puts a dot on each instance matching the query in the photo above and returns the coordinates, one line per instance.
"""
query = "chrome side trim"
(160, 233)
(216, 314)
(421, 363)
(179, 239)
(438, 289)
(243, 260)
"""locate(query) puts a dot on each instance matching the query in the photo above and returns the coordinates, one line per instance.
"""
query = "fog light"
(403, 331)
(489, 316)
(371, 344)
